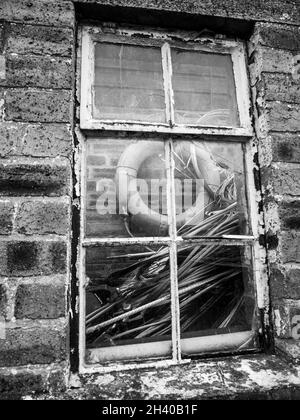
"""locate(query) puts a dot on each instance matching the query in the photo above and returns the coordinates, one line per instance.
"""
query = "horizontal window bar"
(210, 133)
(226, 240)
(124, 241)
(234, 241)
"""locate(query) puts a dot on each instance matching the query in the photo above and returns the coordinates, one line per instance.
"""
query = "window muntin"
(230, 153)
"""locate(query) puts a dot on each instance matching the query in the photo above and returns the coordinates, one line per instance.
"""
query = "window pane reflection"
(128, 295)
(216, 291)
(128, 83)
(204, 89)
(210, 189)
(126, 189)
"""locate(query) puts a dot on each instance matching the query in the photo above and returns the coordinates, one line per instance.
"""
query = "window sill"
(247, 377)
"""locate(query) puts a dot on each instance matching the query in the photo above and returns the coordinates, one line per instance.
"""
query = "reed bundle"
(210, 277)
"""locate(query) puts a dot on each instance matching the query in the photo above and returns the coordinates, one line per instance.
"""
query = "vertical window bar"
(169, 94)
(82, 307)
(242, 84)
(87, 76)
(175, 310)
(82, 258)
(171, 202)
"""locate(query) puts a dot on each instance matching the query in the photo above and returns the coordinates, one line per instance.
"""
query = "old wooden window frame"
(236, 49)
(91, 128)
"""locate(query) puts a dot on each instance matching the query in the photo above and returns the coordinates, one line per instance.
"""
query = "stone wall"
(275, 84)
(37, 81)
(36, 152)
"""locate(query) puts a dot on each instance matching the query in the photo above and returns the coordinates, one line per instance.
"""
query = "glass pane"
(204, 89)
(126, 188)
(128, 83)
(210, 189)
(128, 298)
(217, 297)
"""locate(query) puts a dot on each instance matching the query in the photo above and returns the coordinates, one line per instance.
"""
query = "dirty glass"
(129, 196)
(126, 189)
(204, 89)
(128, 296)
(128, 83)
(216, 294)
(210, 189)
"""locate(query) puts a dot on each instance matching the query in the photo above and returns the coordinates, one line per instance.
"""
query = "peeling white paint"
(104, 380)
(268, 378)
(266, 152)
(2, 67)
(272, 218)
(154, 386)
(2, 109)
(277, 321)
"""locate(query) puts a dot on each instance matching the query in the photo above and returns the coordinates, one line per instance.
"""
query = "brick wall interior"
(37, 80)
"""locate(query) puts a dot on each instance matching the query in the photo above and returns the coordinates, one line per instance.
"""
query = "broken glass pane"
(128, 83)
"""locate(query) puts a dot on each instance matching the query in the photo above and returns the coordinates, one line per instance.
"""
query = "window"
(170, 253)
